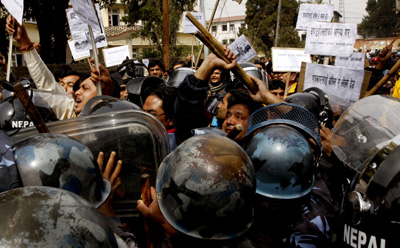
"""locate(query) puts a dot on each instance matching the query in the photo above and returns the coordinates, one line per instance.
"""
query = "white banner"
(332, 39)
(355, 61)
(188, 26)
(288, 59)
(309, 13)
(76, 54)
(15, 8)
(116, 55)
(86, 12)
(338, 81)
(243, 50)
(80, 32)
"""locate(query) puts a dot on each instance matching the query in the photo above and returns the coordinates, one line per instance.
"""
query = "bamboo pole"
(384, 79)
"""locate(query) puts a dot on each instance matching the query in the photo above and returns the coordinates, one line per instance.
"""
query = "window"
(303, 37)
(232, 27)
(224, 27)
(113, 17)
(231, 40)
(134, 53)
(224, 42)
(213, 28)
(243, 25)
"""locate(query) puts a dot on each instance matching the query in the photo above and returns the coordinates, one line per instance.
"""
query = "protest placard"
(80, 32)
(309, 13)
(146, 62)
(188, 27)
(332, 39)
(243, 50)
(288, 59)
(15, 8)
(77, 55)
(344, 83)
(116, 55)
(86, 12)
(355, 61)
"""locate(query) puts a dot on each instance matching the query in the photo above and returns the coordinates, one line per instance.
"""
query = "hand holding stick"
(218, 50)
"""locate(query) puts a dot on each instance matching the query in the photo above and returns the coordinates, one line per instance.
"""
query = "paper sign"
(116, 55)
(80, 32)
(338, 81)
(332, 39)
(288, 59)
(146, 62)
(309, 13)
(188, 26)
(78, 55)
(243, 50)
(86, 12)
(355, 61)
(15, 8)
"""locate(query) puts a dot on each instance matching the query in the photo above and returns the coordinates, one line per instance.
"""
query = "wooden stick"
(287, 85)
(235, 132)
(10, 47)
(32, 110)
(96, 59)
(192, 53)
(208, 28)
(238, 70)
(384, 79)
(145, 189)
(391, 43)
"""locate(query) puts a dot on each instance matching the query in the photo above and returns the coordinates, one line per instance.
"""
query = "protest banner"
(332, 39)
(355, 61)
(76, 55)
(80, 32)
(347, 84)
(116, 55)
(243, 50)
(288, 59)
(15, 8)
(188, 27)
(85, 9)
(309, 13)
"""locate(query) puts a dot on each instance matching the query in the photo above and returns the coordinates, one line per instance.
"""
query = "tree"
(150, 12)
(381, 19)
(261, 19)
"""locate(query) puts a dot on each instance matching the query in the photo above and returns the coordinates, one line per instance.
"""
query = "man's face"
(223, 108)
(124, 91)
(279, 93)
(237, 114)
(87, 90)
(156, 71)
(68, 83)
(215, 76)
(153, 105)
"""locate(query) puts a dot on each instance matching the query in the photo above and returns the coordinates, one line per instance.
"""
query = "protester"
(156, 68)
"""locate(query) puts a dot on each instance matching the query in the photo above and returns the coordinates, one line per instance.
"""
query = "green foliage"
(148, 53)
(150, 12)
(261, 17)
(380, 21)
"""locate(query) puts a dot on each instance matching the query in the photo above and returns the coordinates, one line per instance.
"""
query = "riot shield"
(139, 139)
(364, 125)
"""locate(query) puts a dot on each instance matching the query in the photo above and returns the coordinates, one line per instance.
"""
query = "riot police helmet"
(283, 161)
(56, 160)
(178, 75)
(40, 216)
(206, 188)
(104, 104)
(141, 87)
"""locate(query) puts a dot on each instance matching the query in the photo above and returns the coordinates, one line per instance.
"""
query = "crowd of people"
(245, 169)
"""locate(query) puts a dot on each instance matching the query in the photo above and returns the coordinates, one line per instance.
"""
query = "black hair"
(79, 81)
(116, 89)
(260, 63)
(153, 63)
(179, 62)
(240, 96)
(276, 84)
(168, 95)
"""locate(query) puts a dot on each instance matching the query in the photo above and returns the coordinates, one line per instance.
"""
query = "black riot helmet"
(206, 188)
(50, 217)
(56, 160)
(104, 104)
(178, 75)
(316, 101)
(283, 161)
(140, 88)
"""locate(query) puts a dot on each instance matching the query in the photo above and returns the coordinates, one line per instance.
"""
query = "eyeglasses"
(156, 115)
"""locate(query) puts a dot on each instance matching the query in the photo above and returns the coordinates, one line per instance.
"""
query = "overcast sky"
(354, 10)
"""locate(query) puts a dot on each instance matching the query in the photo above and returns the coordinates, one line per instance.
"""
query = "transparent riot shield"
(139, 139)
(364, 128)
